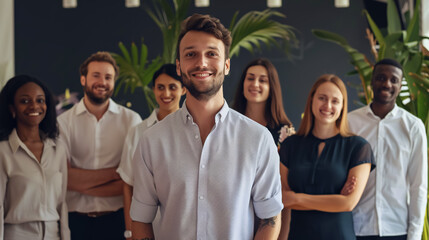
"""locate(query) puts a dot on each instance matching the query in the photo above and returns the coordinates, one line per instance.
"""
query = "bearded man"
(208, 168)
(94, 131)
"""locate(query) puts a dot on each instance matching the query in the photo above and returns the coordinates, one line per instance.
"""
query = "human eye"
(189, 54)
(173, 87)
(161, 87)
(380, 78)
(263, 80)
(24, 100)
(394, 80)
(40, 100)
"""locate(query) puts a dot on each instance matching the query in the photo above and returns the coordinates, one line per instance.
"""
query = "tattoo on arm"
(268, 222)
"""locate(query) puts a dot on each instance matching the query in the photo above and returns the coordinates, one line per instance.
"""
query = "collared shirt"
(95, 144)
(31, 190)
(126, 166)
(209, 191)
(394, 199)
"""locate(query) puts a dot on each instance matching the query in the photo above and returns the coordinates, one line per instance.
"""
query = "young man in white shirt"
(94, 131)
(208, 168)
(394, 201)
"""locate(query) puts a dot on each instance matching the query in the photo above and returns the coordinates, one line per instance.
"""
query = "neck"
(256, 112)
(97, 110)
(324, 131)
(162, 113)
(381, 110)
(26, 133)
(204, 111)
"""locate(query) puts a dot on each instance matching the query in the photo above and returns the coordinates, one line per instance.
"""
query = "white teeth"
(202, 75)
(34, 114)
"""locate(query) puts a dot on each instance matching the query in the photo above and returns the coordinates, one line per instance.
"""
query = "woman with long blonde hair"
(317, 163)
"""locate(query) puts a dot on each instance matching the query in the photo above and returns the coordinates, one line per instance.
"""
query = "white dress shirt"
(32, 191)
(210, 191)
(95, 144)
(126, 166)
(394, 199)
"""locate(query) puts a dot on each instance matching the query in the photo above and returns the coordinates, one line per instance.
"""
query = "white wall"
(7, 59)
(425, 22)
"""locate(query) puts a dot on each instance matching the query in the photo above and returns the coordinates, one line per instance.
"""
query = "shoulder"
(358, 113)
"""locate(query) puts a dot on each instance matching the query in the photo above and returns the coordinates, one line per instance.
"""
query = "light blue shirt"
(210, 191)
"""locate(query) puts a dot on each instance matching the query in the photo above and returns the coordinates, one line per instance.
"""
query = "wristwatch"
(128, 234)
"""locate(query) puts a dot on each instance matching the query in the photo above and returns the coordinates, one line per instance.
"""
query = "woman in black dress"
(318, 162)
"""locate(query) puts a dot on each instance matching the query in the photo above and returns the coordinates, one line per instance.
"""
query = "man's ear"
(227, 66)
(82, 80)
(178, 67)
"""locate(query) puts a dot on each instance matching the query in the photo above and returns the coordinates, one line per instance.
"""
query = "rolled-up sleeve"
(144, 203)
(266, 192)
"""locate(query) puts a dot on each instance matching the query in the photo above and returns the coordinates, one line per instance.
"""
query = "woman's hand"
(289, 198)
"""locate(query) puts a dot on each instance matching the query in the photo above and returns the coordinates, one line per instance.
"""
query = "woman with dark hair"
(325, 168)
(259, 97)
(33, 166)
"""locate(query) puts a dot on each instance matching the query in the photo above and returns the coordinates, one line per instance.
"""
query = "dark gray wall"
(51, 42)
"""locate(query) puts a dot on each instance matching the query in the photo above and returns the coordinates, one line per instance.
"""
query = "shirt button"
(196, 136)
(203, 166)
(201, 197)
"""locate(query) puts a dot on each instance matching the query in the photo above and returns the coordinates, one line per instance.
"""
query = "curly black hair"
(48, 126)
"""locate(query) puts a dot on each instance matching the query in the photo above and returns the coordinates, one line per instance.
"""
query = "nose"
(255, 83)
(202, 61)
(387, 83)
(167, 92)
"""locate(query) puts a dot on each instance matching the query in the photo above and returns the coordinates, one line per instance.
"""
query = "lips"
(34, 114)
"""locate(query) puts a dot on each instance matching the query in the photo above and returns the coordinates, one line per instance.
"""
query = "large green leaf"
(393, 20)
(377, 33)
(413, 29)
(258, 27)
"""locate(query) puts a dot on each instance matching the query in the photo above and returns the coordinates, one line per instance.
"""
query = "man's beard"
(209, 91)
(96, 99)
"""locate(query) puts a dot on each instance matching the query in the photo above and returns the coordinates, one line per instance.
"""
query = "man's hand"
(349, 186)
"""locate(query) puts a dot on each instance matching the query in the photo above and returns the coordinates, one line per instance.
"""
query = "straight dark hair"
(274, 113)
(48, 126)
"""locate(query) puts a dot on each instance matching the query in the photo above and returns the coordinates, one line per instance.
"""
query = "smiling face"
(29, 106)
(202, 64)
(99, 82)
(386, 84)
(327, 104)
(256, 86)
(168, 92)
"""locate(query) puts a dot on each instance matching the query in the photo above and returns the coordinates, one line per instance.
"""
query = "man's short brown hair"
(207, 24)
(99, 57)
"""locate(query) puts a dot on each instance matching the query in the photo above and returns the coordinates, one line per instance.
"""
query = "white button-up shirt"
(125, 169)
(30, 190)
(95, 144)
(394, 200)
(209, 191)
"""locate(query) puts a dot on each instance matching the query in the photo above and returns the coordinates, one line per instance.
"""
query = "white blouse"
(31, 190)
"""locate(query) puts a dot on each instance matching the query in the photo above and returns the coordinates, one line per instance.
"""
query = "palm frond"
(258, 27)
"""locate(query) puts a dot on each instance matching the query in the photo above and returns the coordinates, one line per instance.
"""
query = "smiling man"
(207, 167)
(94, 131)
(394, 201)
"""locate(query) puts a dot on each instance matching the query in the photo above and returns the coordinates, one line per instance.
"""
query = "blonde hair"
(308, 119)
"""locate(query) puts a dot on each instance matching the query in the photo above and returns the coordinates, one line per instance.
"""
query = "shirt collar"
(15, 142)
(392, 113)
(220, 116)
(153, 118)
(81, 108)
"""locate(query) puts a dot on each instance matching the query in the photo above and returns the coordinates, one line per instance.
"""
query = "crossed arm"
(100, 182)
(344, 202)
